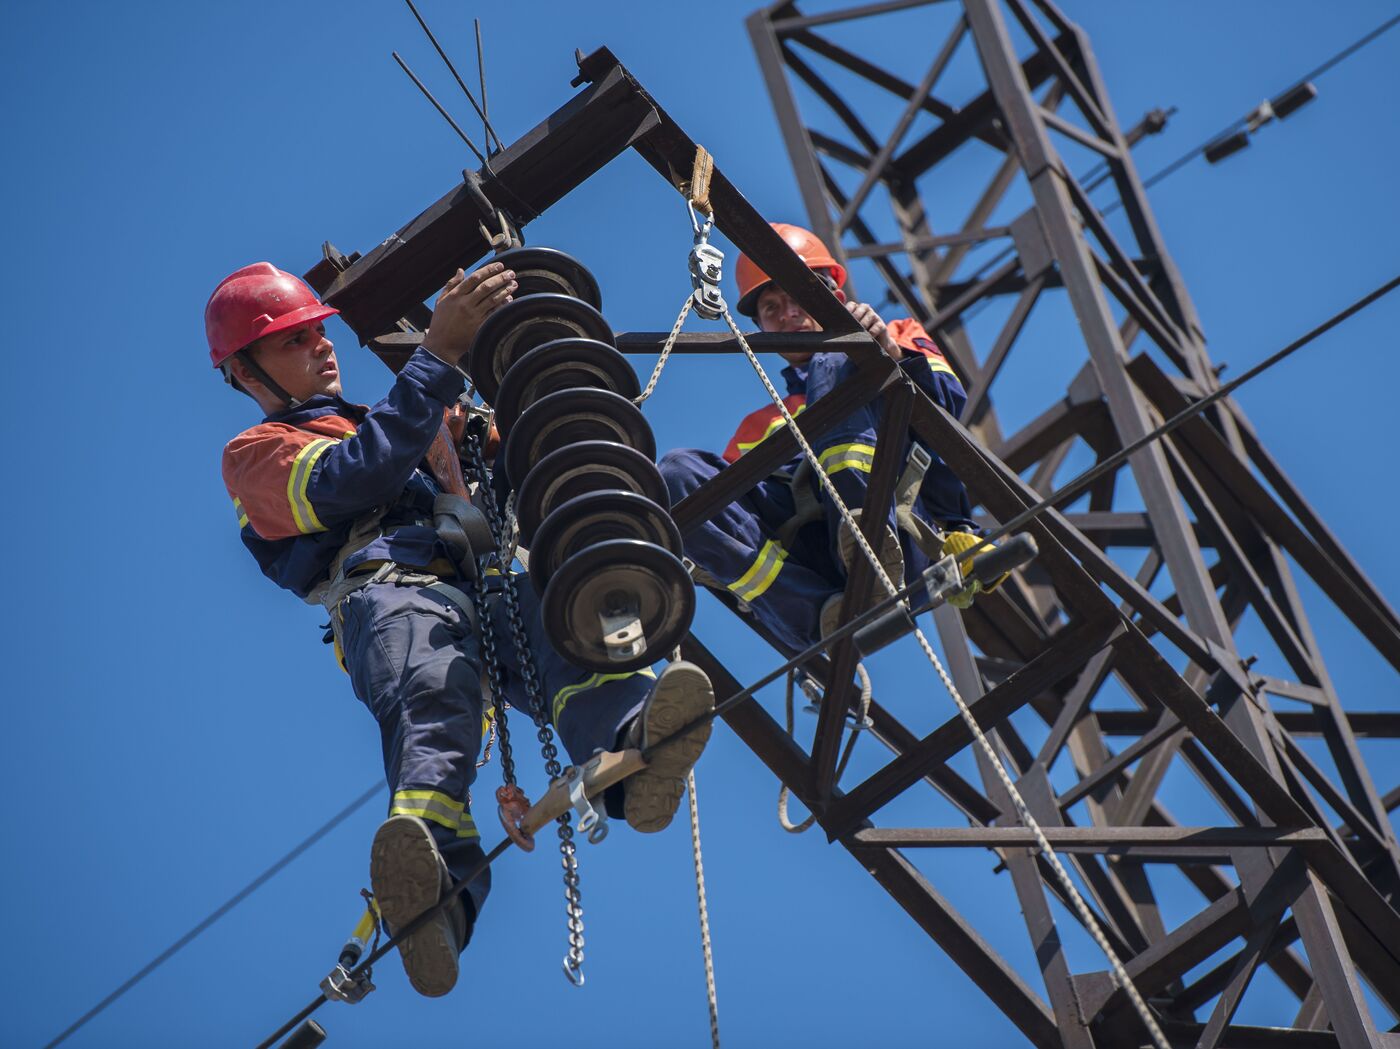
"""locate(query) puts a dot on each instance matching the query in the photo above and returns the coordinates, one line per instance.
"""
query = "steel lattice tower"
(1299, 868)
(1208, 506)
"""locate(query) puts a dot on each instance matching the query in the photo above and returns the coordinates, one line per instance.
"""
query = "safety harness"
(808, 508)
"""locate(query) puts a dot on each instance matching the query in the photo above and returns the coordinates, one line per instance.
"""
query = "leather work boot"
(683, 692)
(891, 558)
(409, 876)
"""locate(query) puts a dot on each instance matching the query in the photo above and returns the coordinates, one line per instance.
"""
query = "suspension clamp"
(590, 820)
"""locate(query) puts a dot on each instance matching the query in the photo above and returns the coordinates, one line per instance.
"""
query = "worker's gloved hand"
(871, 321)
(956, 544)
(465, 303)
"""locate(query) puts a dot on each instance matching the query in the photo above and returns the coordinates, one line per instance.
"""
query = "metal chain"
(489, 648)
(666, 351)
(1120, 974)
(573, 960)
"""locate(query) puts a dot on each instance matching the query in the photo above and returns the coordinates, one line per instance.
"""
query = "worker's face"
(778, 311)
(301, 360)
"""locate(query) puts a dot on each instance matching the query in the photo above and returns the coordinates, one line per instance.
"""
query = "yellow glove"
(956, 544)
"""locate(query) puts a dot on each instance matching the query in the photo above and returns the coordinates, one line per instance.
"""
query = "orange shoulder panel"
(911, 337)
(759, 424)
(259, 466)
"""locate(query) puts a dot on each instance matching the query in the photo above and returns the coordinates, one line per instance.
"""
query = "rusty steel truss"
(1300, 871)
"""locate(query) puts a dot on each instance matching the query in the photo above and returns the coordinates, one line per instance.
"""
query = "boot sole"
(406, 874)
(682, 694)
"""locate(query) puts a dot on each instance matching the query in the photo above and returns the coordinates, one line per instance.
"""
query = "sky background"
(173, 723)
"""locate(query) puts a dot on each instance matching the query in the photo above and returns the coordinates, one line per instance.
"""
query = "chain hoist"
(511, 800)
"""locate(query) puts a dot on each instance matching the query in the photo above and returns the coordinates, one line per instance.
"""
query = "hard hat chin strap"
(272, 385)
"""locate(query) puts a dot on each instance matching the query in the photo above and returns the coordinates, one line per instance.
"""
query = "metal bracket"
(590, 821)
(622, 629)
(342, 985)
(506, 235)
(943, 578)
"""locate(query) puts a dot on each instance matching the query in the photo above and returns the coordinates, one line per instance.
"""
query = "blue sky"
(174, 724)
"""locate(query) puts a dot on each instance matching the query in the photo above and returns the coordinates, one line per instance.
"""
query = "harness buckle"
(920, 458)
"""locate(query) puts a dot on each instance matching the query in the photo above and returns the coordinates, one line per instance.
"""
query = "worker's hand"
(465, 303)
(868, 319)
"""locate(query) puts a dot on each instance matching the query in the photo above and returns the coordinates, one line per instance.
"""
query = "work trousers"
(785, 589)
(415, 660)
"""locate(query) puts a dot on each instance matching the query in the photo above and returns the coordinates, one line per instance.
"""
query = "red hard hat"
(255, 301)
(812, 251)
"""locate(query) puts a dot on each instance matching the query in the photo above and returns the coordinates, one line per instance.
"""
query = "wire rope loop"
(1081, 909)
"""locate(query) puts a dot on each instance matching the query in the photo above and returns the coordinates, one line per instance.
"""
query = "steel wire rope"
(1023, 813)
(861, 722)
(1101, 171)
(228, 905)
(703, 906)
(746, 693)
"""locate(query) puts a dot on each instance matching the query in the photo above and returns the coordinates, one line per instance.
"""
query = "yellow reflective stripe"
(941, 366)
(754, 583)
(435, 806)
(242, 515)
(302, 512)
(776, 424)
(569, 691)
(847, 456)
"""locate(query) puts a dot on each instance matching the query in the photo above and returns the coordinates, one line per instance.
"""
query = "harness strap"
(807, 509)
(906, 493)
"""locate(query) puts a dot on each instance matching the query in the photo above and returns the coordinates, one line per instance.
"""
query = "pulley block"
(596, 518)
(548, 271)
(522, 324)
(618, 605)
(562, 365)
(589, 466)
(570, 416)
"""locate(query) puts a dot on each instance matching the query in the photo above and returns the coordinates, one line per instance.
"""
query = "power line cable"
(228, 905)
(1102, 172)
(1075, 486)
(857, 624)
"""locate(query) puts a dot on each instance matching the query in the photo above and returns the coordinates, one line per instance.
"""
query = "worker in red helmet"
(782, 550)
(365, 511)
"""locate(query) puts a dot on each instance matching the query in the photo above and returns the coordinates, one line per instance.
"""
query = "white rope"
(1120, 974)
(704, 911)
(666, 351)
(864, 713)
